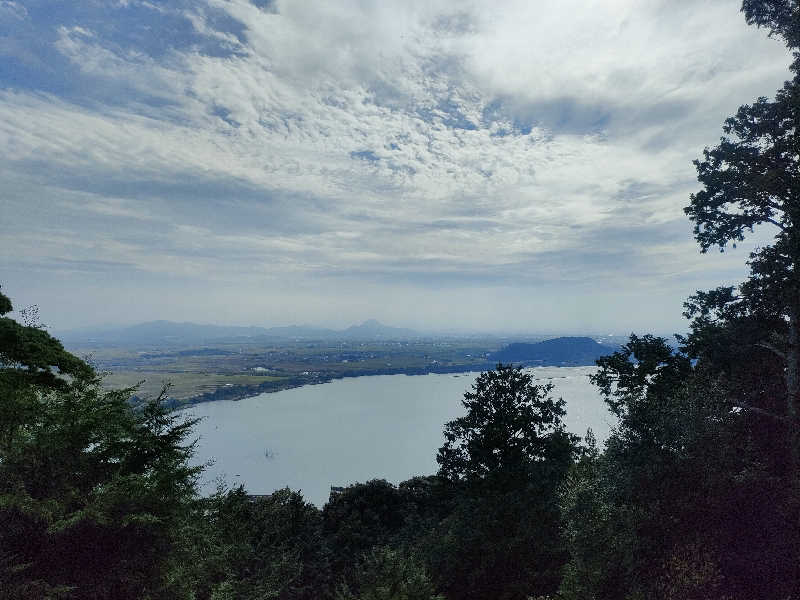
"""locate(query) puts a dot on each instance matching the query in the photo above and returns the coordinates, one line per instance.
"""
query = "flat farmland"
(235, 370)
(183, 385)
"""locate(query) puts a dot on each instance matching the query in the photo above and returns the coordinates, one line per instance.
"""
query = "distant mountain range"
(563, 350)
(172, 333)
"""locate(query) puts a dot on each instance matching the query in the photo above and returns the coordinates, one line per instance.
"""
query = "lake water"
(356, 429)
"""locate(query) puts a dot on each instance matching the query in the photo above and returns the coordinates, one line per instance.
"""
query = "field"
(236, 370)
(183, 385)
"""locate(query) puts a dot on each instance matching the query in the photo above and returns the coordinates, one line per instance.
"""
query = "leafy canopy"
(511, 425)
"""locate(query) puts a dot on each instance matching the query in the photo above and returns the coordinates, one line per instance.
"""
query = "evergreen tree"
(506, 457)
(512, 433)
(92, 492)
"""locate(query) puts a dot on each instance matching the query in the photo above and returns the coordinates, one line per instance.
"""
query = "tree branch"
(774, 222)
(761, 411)
(773, 349)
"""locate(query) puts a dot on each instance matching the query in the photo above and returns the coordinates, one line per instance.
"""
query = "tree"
(29, 355)
(363, 516)
(93, 492)
(511, 434)
(30, 360)
(507, 457)
(388, 574)
(674, 506)
(752, 178)
(634, 512)
(781, 17)
(642, 373)
(252, 548)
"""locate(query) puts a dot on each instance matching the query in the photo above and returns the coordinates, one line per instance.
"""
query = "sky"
(483, 166)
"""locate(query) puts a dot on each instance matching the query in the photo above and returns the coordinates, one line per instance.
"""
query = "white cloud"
(480, 143)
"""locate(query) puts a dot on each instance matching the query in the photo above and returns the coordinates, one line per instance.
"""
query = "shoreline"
(242, 392)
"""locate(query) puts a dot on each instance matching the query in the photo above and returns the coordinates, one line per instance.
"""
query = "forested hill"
(562, 350)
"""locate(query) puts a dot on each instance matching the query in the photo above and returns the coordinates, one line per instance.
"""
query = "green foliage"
(752, 177)
(496, 544)
(92, 493)
(388, 574)
(258, 547)
(488, 525)
(635, 379)
(377, 514)
(691, 573)
(363, 516)
(671, 507)
(746, 345)
(512, 432)
(5, 304)
(30, 356)
(507, 457)
(739, 343)
(93, 496)
(623, 508)
(781, 17)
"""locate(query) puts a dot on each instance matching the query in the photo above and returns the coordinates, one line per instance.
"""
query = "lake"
(356, 429)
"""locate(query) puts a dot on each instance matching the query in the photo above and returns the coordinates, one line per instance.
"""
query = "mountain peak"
(372, 328)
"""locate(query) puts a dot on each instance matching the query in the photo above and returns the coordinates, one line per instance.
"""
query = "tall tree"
(512, 430)
(507, 456)
(752, 178)
(674, 507)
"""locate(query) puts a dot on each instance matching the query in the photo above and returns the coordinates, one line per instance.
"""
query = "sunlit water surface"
(356, 429)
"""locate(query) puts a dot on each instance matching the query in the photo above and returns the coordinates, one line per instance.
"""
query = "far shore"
(242, 392)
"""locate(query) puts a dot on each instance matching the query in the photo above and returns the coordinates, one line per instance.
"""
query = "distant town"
(202, 363)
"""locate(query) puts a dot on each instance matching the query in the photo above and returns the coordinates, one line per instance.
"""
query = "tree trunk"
(793, 385)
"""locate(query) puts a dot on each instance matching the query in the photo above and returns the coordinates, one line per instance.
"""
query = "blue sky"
(503, 166)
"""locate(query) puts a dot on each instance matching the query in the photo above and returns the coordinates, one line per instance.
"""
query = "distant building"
(336, 491)
(257, 497)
